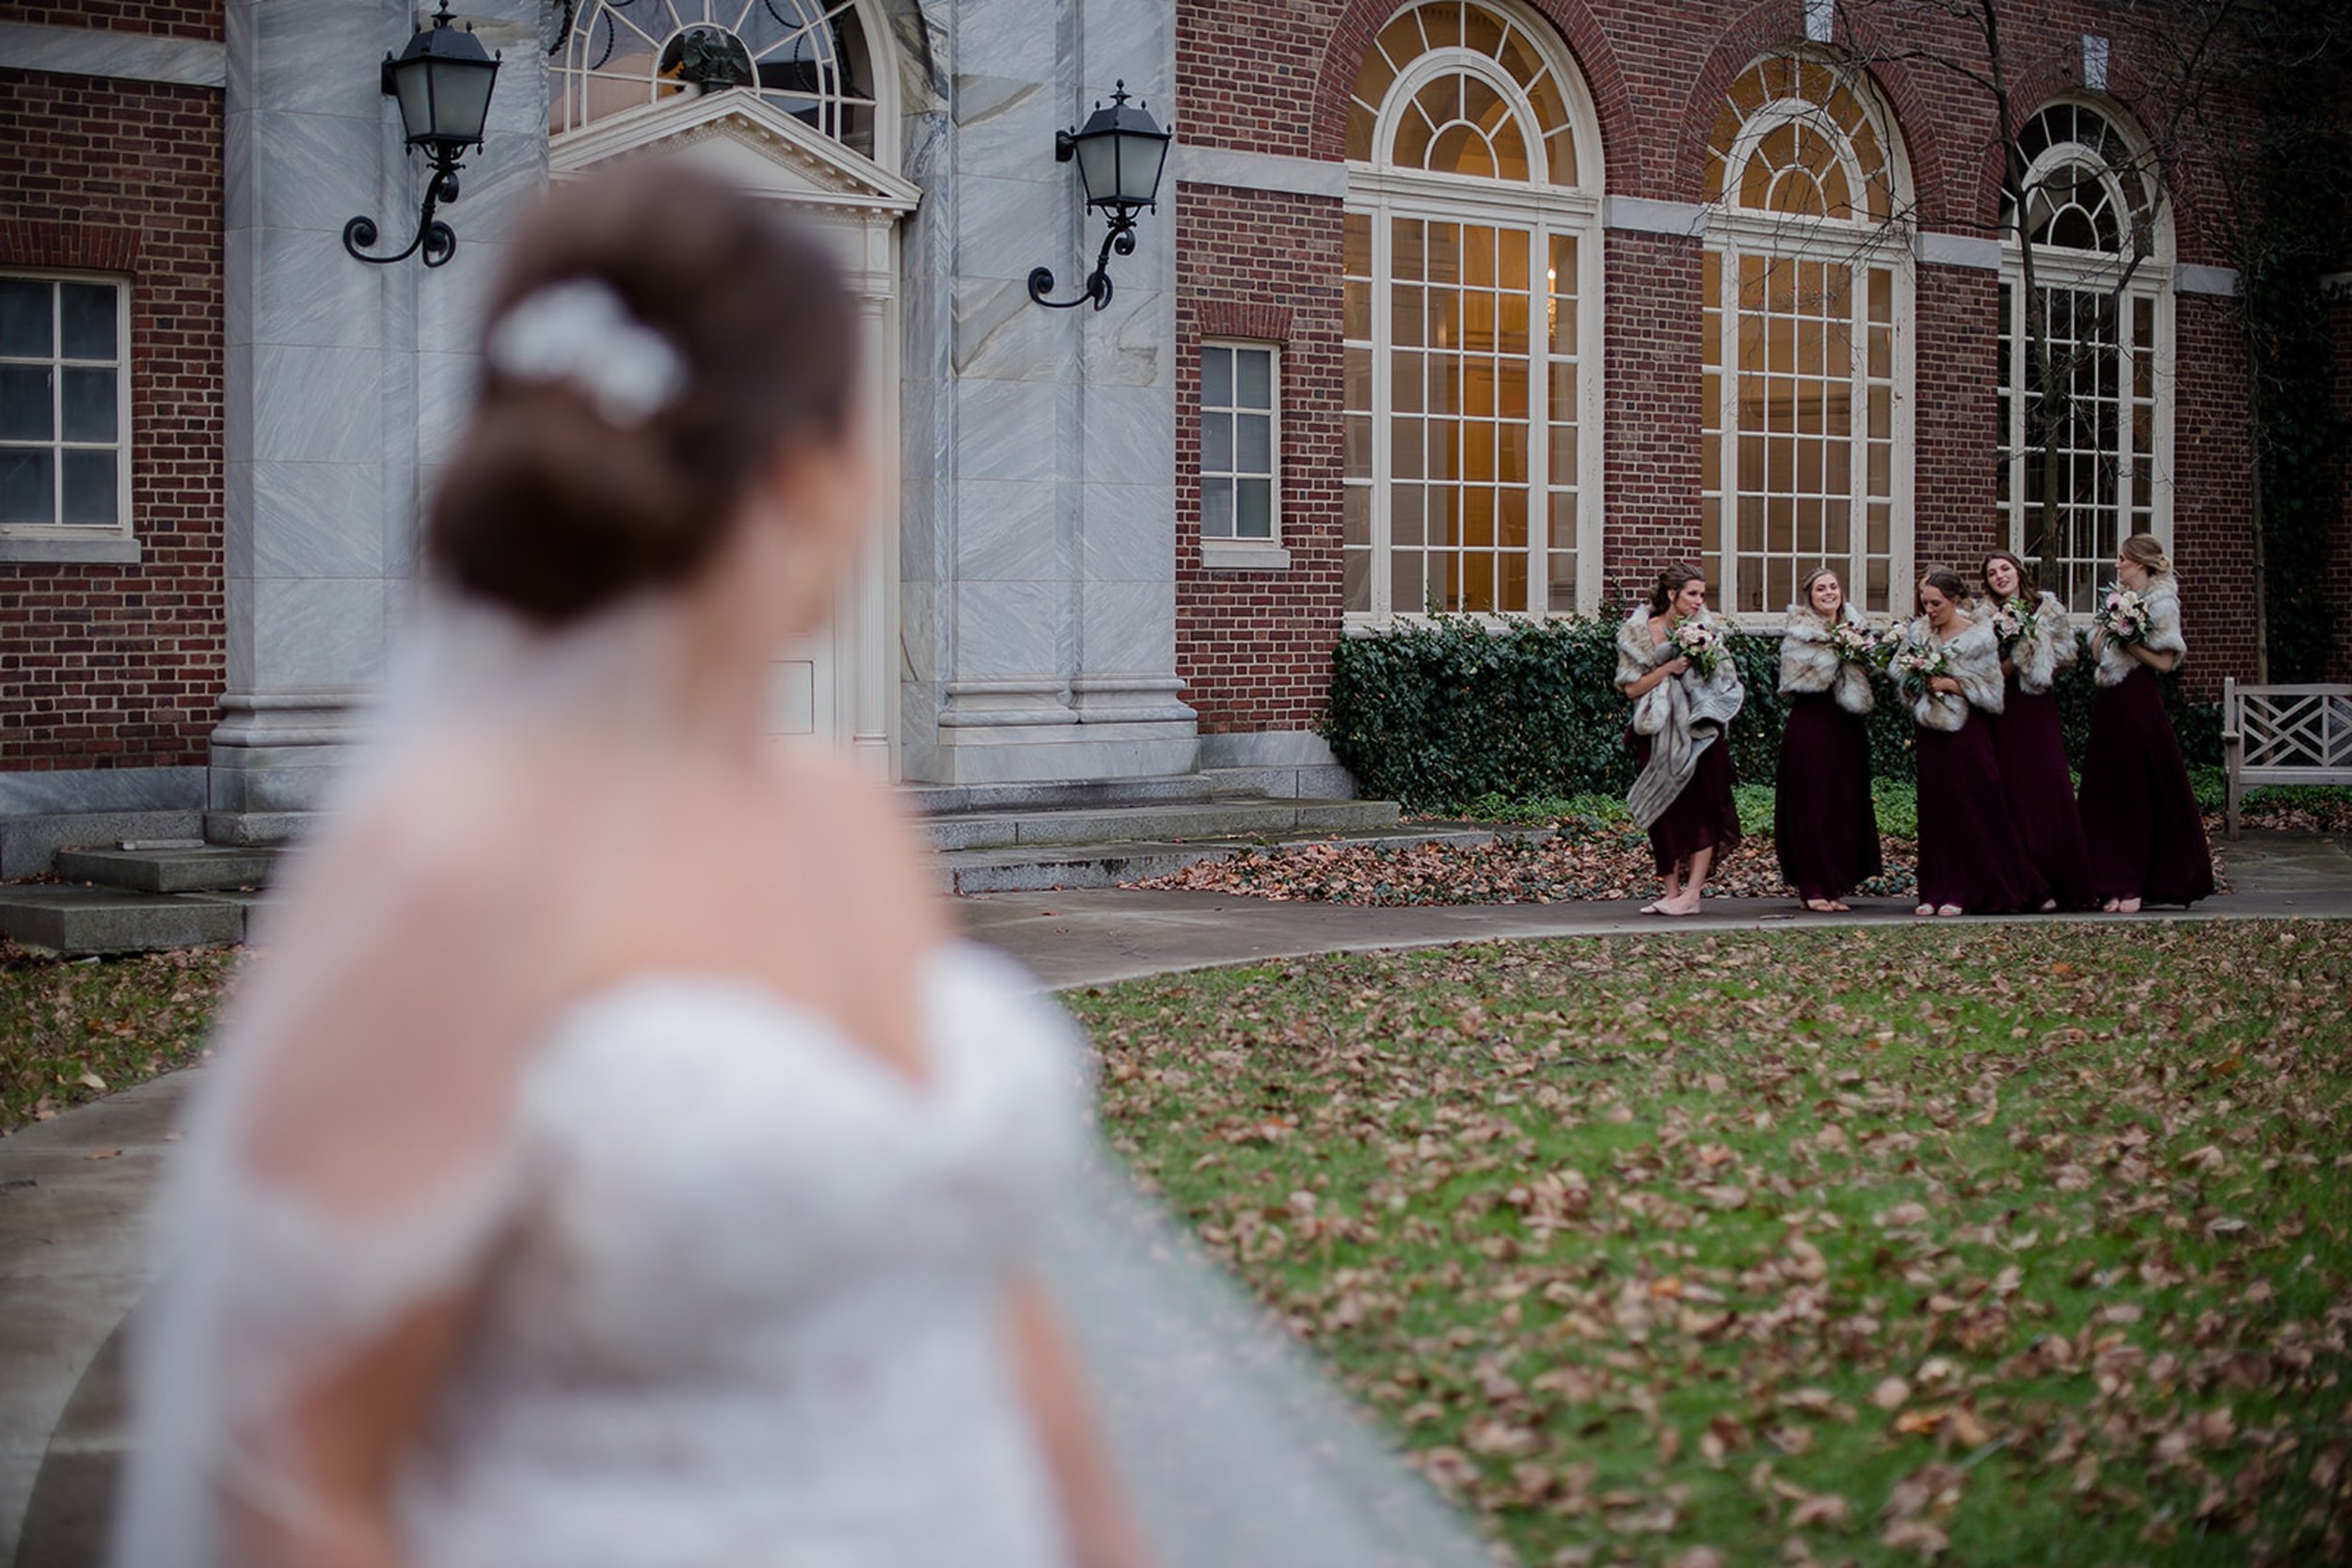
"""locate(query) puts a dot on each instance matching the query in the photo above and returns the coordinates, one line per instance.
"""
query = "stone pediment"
(746, 140)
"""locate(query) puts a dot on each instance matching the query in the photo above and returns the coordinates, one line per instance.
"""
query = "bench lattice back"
(2295, 727)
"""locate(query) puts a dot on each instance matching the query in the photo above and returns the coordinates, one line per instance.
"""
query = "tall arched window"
(1806, 453)
(1472, 319)
(2086, 361)
(809, 58)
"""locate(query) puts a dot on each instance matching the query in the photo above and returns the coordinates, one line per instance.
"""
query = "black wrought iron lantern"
(1121, 155)
(442, 82)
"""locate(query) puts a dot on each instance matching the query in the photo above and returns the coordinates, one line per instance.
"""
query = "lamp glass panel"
(412, 84)
(1097, 167)
(1140, 158)
(461, 99)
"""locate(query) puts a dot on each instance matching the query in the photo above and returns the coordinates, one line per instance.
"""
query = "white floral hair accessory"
(578, 332)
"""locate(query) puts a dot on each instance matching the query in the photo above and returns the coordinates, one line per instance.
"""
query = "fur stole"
(1682, 716)
(1809, 662)
(1974, 655)
(2164, 635)
(2038, 659)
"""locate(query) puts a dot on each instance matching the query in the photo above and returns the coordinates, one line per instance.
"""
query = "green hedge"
(1438, 714)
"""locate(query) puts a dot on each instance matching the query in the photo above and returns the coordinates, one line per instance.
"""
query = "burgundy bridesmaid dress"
(1824, 824)
(2145, 835)
(2029, 740)
(1969, 851)
(1704, 815)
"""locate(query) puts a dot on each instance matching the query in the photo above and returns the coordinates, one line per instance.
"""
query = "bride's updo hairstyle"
(656, 340)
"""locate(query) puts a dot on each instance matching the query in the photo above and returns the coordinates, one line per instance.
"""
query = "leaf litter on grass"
(1988, 1246)
(71, 1029)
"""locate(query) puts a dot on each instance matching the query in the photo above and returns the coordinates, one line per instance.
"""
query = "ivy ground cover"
(1980, 1245)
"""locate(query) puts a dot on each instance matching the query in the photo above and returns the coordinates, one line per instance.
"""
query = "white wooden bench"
(2284, 735)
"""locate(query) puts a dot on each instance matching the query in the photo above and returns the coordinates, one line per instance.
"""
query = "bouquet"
(1915, 663)
(1701, 644)
(2122, 615)
(2014, 622)
(1859, 642)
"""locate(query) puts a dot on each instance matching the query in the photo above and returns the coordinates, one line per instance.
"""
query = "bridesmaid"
(1683, 795)
(2146, 836)
(1824, 824)
(2029, 738)
(1970, 859)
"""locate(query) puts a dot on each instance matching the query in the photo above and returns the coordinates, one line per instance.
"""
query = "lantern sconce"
(442, 83)
(1120, 153)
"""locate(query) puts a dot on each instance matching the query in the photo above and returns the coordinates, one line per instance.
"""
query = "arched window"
(808, 57)
(1808, 342)
(2086, 360)
(1472, 450)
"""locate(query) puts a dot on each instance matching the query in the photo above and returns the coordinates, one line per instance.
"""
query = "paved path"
(72, 1190)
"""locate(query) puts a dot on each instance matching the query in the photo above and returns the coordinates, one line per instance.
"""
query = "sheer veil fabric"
(683, 1189)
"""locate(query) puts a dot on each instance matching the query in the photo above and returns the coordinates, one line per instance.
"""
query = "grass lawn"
(70, 1030)
(2024, 1245)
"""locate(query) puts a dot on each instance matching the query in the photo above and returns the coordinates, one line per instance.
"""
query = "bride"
(611, 1160)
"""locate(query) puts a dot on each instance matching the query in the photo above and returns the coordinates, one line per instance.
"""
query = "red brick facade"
(120, 666)
(180, 19)
(1256, 646)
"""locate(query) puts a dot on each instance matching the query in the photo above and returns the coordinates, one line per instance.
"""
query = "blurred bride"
(613, 1160)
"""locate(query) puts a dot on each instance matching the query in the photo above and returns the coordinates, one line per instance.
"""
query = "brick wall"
(184, 18)
(1275, 75)
(1256, 646)
(121, 665)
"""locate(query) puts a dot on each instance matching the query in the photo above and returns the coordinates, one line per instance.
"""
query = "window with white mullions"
(1471, 286)
(64, 404)
(809, 58)
(1240, 443)
(2085, 393)
(1806, 356)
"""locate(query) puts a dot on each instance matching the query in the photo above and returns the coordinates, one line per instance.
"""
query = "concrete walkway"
(72, 1190)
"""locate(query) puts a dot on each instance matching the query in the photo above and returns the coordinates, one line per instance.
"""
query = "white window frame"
(1232, 552)
(2085, 271)
(1859, 245)
(62, 542)
(1564, 202)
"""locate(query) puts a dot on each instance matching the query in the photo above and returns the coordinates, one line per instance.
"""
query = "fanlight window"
(2083, 188)
(1507, 119)
(1794, 140)
(808, 57)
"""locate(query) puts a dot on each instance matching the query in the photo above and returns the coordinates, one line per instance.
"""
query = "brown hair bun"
(562, 498)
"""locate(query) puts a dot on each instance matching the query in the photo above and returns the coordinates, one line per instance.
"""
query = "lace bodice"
(740, 1286)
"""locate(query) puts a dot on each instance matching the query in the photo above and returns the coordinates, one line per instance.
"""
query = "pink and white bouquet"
(1859, 642)
(1702, 644)
(2122, 615)
(2014, 622)
(1915, 663)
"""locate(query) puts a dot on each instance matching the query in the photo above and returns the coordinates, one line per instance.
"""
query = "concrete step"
(207, 868)
(1043, 867)
(1282, 782)
(77, 921)
(1235, 818)
(943, 799)
(29, 843)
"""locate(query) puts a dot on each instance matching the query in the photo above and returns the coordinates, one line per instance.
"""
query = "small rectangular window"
(65, 404)
(1241, 443)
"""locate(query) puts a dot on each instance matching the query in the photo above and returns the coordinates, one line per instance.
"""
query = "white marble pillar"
(342, 379)
(1038, 552)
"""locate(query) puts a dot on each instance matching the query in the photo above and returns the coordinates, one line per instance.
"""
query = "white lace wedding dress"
(740, 1288)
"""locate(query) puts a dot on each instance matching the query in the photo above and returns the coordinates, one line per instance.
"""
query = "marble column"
(342, 379)
(1038, 550)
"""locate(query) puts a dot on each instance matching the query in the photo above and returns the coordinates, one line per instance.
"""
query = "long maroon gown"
(2140, 821)
(1969, 851)
(1825, 825)
(1704, 815)
(2031, 741)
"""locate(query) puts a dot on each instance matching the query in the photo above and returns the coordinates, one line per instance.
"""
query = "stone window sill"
(113, 549)
(1234, 555)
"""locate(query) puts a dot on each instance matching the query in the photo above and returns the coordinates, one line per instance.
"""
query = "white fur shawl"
(1716, 698)
(2164, 634)
(1809, 662)
(2038, 659)
(1974, 655)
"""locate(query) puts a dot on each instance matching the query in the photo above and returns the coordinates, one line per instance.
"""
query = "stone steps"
(138, 898)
